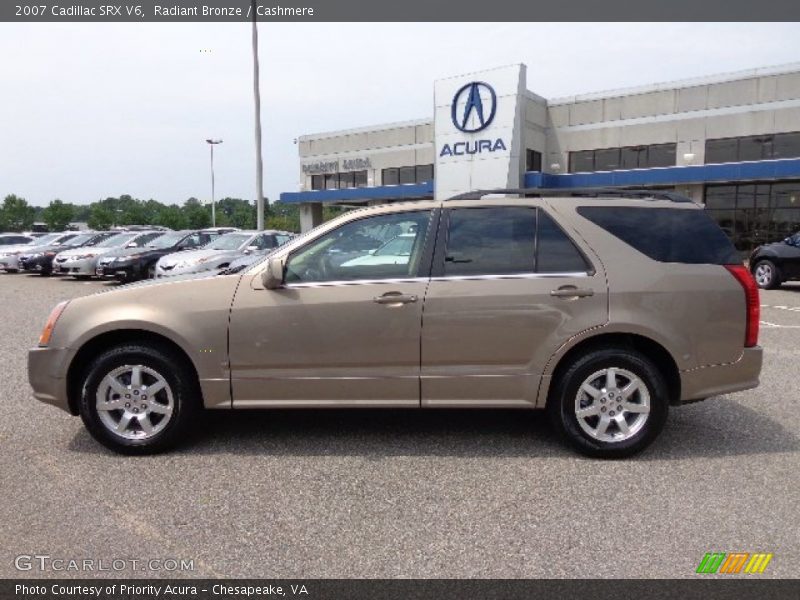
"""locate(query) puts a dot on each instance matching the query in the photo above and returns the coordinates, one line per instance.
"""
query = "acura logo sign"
(479, 106)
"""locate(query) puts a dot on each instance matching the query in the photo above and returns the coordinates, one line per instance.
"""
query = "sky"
(89, 111)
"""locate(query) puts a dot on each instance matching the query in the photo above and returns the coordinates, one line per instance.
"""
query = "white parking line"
(768, 325)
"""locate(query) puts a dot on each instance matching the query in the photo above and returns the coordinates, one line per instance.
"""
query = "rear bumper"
(715, 380)
(47, 374)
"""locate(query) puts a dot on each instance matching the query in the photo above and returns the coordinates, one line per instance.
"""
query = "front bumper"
(84, 266)
(119, 271)
(40, 264)
(715, 380)
(9, 263)
(47, 374)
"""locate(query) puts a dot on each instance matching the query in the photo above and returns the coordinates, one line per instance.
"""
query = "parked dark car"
(139, 263)
(772, 264)
(40, 258)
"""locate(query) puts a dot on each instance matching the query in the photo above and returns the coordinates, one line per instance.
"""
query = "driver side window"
(380, 247)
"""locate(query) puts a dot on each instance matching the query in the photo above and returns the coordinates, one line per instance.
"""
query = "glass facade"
(339, 181)
(755, 213)
(753, 147)
(406, 175)
(628, 157)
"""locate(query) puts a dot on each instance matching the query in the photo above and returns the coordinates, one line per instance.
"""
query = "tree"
(100, 217)
(58, 215)
(171, 216)
(16, 214)
(197, 215)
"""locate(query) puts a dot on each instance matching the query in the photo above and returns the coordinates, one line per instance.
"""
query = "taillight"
(47, 332)
(744, 277)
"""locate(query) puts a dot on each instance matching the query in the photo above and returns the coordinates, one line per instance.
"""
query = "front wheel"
(138, 399)
(610, 403)
(766, 275)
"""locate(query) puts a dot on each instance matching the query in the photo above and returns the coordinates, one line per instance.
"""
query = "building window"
(755, 213)
(629, 157)
(753, 147)
(360, 178)
(346, 180)
(424, 173)
(533, 161)
(581, 161)
(408, 175)
(339, 181)
(661, 155)
(390, 176)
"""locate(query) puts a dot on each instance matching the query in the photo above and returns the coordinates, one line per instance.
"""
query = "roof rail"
(610, 192)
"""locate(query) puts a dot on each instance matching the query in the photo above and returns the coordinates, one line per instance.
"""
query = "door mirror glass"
(250, 249)
(272, 276)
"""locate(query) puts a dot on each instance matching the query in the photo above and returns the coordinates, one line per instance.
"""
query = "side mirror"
(132, 245)
(272, 276)
(250, 249)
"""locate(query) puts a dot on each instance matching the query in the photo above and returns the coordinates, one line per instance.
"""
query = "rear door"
(509, 287)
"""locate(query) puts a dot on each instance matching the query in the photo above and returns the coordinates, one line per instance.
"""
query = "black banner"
(734, 588)
(407, 10)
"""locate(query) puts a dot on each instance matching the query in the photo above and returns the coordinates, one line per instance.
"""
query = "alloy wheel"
(612, 405)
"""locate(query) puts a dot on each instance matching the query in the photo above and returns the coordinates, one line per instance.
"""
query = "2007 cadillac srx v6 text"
(603, 307)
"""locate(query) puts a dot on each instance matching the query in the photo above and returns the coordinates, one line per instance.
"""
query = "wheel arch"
(646, 346)
(94, 346)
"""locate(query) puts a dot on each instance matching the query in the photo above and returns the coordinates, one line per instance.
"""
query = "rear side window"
(666, 234)
(491, 241)
(506, 241)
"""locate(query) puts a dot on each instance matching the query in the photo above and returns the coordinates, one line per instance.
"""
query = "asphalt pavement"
(370, 493)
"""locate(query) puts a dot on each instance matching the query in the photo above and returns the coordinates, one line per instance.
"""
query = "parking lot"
(402, 494)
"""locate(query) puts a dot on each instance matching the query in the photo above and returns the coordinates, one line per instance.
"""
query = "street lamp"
(257, 107)
(213, 143)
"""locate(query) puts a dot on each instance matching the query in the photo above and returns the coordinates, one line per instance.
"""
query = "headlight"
(47, 332)
(202, 260)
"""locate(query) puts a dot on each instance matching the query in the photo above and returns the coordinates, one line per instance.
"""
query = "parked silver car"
(220, 252)
(9, 255)
(82, 262)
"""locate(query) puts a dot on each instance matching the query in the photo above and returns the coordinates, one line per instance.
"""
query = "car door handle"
(570, 291)
(395, 298)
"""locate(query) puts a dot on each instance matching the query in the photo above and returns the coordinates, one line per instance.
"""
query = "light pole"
(257, 103)
(213, 143)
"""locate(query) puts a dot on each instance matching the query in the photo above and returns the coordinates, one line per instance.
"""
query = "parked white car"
(220, 252)
(9, 255)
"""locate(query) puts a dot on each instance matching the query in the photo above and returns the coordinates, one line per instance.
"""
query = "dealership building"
(731, 141)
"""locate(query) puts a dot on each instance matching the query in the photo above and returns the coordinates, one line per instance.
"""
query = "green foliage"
(58, 215)
(100, 217)
(15, 214)
(197, 215)
(171, 216)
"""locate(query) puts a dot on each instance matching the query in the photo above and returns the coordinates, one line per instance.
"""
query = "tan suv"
(604, 307)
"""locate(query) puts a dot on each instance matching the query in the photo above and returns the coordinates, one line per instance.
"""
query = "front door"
(345, 329)
(508, 288)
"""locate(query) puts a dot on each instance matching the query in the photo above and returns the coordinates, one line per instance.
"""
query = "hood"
(131, 251)
(195, 255)
(16, 248)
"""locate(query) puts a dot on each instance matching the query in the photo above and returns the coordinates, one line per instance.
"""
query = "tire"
(767, 275)
(151, 271)
(168, 414)
(585, 432)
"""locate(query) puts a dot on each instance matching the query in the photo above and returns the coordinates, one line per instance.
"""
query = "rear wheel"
(139, 399)
(610, 403)
(766, 275)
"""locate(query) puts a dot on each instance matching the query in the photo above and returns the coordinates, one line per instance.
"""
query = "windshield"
(399, 246)
(166, 241)
(45, 239)
(231, 241)
(117, 240)
(80, 240)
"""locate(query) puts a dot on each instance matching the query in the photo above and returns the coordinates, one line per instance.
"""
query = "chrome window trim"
(342, 283)
(511, 276)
